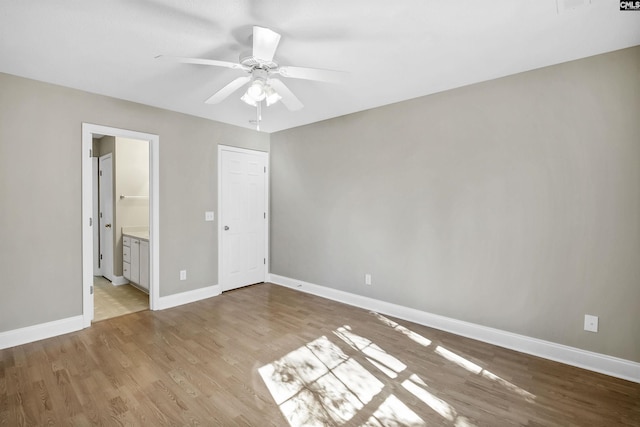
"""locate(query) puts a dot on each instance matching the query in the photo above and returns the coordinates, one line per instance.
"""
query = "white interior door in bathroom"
(95, 171)
(106, 216)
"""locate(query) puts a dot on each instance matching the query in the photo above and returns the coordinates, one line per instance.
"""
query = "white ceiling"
(393, 50)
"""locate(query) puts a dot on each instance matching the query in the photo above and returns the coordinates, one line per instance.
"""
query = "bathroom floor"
(113, 301)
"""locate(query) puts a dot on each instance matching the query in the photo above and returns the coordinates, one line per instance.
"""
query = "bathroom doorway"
(133, 224)
(123, 210)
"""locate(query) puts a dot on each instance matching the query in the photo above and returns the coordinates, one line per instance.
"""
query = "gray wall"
(40, 196)
(131, 177)
(513, 203)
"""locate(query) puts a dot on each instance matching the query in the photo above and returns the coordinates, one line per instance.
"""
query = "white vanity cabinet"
(135, 260)
(126, 257)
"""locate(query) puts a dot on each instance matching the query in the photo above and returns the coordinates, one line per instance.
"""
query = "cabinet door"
(144, 264)
(135, 260)
(126, 254)
(126, 270)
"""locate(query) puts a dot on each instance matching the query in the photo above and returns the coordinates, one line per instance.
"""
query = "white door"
(105, 219)
(96, 214)
(243, 217)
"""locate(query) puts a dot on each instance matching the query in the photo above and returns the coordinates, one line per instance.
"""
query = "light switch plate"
(590, 323)
(183, 274)
(209, 216)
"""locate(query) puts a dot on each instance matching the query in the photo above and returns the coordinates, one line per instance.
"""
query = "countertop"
(142, 235)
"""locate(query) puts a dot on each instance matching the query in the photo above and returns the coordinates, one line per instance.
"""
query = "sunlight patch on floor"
(473, 368)
(318, 384)
(394, 413)
(529, 397)
(455, 358)
(382, 360)
(406, 331)
(458, 360)
(440, 406)
(416, 386)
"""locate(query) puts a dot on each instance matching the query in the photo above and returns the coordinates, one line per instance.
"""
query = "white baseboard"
(188, 297)
(597, 362)
(119, 280)
(39, 332)
(64, 326)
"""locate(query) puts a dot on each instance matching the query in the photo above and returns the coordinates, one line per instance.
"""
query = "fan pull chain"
(259, 115)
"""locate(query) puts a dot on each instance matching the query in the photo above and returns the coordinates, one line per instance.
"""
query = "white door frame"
(222, 148)
(88, 130)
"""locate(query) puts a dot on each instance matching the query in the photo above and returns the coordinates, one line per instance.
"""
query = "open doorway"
(122, 221)
(125, 223)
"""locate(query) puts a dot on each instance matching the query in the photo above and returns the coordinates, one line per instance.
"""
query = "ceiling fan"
(261, 69)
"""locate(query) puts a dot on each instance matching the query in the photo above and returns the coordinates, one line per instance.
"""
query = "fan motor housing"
(248, 60)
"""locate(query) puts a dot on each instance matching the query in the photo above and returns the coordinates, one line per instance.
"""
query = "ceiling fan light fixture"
(261, 68)
(249, 100)
(271, 96)
(257, 90)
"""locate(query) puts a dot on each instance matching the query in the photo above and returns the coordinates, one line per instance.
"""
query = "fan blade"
(288, 98)
(200, 61)
(265, 42)
(228, 90)
(318, 74)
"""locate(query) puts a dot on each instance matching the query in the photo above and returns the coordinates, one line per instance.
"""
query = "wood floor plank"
(261, 355)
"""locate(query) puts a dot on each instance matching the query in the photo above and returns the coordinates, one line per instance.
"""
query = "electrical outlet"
(183, 274)
(367, 279)
(590, 323)
(209, 216)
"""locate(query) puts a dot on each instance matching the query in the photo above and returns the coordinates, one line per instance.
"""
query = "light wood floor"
(270, 356)
(113, 301)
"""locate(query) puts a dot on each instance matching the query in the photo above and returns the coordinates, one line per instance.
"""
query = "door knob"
(107, 226)
(226, 227)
